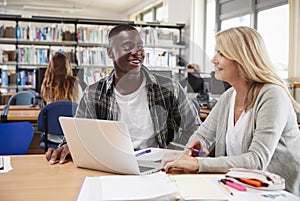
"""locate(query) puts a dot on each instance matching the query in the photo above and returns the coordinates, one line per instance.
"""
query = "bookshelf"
(27, 44)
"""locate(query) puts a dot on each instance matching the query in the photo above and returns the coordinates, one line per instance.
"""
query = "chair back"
(15, 138)
(48, 118)
(22, 98)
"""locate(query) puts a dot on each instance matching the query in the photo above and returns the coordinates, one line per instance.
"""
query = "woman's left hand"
(180, 160)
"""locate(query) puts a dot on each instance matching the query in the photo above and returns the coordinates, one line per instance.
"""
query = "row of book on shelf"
(85, 56)
(28, 77)
(91, 76)
(95, 34)
(22, 78)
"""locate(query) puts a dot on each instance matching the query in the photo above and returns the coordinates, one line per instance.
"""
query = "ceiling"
(105, 9)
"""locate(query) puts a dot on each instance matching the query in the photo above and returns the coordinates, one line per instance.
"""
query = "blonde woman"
(254, 123)
(59, 82)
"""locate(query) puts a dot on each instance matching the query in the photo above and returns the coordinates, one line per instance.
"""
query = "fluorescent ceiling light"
(51, 8)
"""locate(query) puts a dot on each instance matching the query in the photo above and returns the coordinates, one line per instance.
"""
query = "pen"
(225, 187)
(1, 163)
(185, 147)
(234, 185)
(143, 152)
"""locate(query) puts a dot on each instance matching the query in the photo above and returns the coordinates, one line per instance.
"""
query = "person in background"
(155, 108)
(59, 84)
(190, 68)
(253, 125)
(193, 67)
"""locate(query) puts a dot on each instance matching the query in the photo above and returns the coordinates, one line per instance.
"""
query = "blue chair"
(20, 98)
(15, 138)
(48, 120)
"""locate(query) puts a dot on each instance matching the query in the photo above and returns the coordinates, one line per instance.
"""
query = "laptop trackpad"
(149, 166)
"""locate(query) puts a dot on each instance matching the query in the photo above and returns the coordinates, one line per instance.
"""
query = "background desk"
(22, 113)
(33, 178)
(204, 113)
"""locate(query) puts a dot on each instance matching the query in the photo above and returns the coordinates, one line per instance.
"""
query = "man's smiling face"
(127, 51)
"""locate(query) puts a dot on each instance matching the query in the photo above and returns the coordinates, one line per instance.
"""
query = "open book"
(157, 186)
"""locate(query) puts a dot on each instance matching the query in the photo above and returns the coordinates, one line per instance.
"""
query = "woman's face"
(226, 69)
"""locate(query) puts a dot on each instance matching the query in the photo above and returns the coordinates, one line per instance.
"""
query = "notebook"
(103, 145)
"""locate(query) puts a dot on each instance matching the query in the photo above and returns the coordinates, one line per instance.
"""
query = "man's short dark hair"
(122, 27)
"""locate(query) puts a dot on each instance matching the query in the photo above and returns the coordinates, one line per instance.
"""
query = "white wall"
(179, 11)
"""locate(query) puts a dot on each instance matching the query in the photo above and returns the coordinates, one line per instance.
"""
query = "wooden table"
(33, 178)
(22, 113)
(204, 112)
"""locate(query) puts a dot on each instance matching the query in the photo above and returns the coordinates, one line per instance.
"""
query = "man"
(155, 108)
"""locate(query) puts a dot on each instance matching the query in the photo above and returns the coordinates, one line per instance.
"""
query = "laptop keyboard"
(144, 168)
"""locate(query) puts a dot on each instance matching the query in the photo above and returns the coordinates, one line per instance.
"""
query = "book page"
(156, 186)
(134, 187)
(198, 187)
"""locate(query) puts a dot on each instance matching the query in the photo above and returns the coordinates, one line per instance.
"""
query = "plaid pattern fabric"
(174, 116)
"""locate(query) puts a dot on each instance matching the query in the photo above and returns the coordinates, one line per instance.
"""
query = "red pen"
(234, 185)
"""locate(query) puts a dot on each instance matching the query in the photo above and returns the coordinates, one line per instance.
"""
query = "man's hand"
(59, 155)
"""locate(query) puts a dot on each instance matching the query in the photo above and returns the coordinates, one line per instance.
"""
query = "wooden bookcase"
(26, 45)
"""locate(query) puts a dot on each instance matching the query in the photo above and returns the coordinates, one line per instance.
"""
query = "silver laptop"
(103, 145)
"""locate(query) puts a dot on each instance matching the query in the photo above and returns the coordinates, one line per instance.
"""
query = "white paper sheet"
(127, 187)
(7, 165)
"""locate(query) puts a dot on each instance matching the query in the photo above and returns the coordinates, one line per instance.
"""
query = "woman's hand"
(179, 160)
(195, 144)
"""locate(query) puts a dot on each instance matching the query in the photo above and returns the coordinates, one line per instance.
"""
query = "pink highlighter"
(234, 185)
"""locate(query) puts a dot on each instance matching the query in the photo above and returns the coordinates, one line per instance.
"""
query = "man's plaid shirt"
(173, 114)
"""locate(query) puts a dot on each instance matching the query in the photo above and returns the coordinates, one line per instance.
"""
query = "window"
(148, 16)
(153, 13)
(234, 22)
(160, 14)
(276, 36)
(270, 18)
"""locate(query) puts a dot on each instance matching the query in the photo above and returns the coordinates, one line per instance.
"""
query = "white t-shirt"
(134, 110)
(235, 133)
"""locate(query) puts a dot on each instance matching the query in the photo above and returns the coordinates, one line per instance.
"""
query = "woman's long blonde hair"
(246, 46)
(59, 82)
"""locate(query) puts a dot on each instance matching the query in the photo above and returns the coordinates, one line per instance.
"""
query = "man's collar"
(150, 78)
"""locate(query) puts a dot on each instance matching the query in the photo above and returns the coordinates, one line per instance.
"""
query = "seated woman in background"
(59, 84)
(254, 124)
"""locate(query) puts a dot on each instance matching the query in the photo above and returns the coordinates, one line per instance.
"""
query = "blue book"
(22, 78)
(4, 78)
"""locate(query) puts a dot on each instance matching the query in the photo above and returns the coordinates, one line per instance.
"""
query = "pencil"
(225, 187)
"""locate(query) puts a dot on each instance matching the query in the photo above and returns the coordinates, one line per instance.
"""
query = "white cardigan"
(271, 141)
